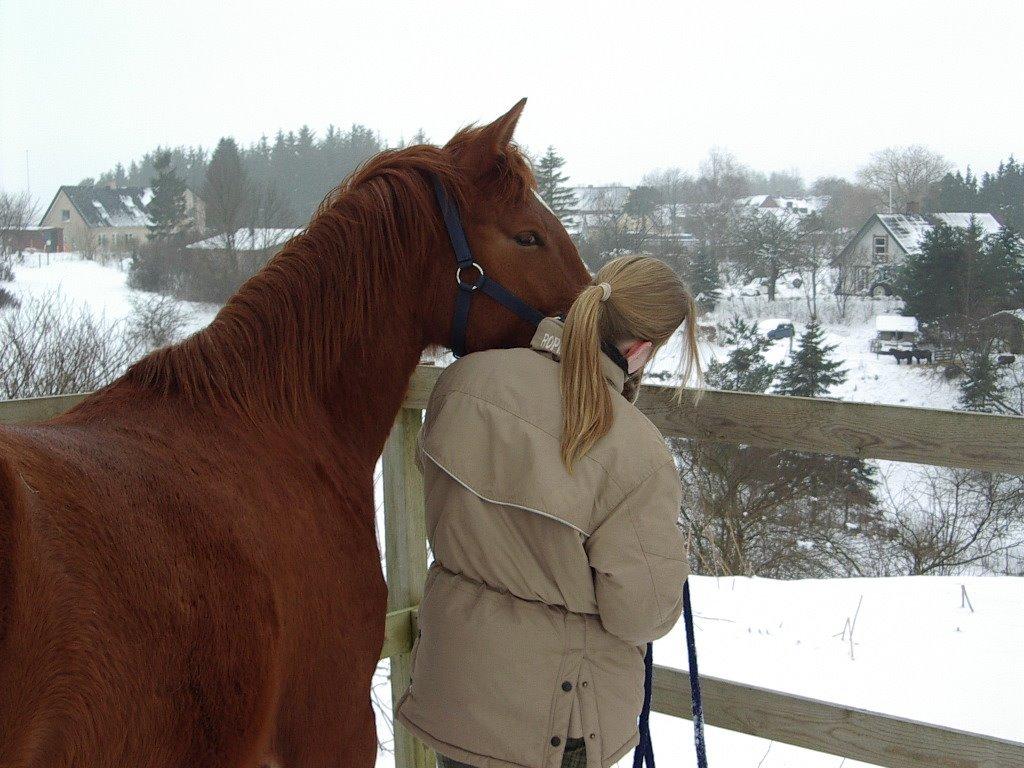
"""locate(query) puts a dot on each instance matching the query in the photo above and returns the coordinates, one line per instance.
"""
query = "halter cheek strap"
(464, 260)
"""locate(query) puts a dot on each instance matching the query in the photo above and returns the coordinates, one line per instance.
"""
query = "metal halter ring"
(469, 286)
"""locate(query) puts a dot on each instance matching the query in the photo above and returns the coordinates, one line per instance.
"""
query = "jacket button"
(593, 735)
(566, 686)
(555, 741)
(584, 683)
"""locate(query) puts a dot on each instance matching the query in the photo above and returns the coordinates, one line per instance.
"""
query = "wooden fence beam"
(857, 734)
(405, 548)
(860, 430)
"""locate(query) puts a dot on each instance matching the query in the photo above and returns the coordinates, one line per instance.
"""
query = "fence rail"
(861, 430)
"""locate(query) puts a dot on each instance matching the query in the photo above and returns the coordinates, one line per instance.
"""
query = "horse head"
(514, 236)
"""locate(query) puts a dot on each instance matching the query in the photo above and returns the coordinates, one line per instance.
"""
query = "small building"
(108, 218)
(881, 245)
(252, 246)
(894, 332)
(45, 239)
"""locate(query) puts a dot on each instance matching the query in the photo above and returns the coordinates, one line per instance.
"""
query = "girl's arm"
(639, 560)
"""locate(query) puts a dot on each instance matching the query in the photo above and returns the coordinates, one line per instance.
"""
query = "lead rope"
(644, 751)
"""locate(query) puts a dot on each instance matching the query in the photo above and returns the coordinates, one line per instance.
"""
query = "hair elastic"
(606, 290)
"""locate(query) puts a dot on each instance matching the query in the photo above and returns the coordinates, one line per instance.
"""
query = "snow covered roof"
(797, 205)
(909, 230)
(106, 207)
(988, 223)
(895, 324)
(246, 239)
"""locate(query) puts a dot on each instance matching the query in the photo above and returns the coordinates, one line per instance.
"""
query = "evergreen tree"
(166, 209)
(745, 369)
(552, 185)
(226, 192)
(705, 280)
(981, 388)
(811, 372)
(959, 277)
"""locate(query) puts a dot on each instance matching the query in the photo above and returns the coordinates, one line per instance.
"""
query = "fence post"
(405, 547)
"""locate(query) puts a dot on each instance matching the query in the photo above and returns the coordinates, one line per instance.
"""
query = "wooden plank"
(34, 409)
(861, 430)
(839, 730)
(405, 543)
(399, 632)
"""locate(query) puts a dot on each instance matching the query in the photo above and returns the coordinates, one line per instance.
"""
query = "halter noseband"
(464, 260)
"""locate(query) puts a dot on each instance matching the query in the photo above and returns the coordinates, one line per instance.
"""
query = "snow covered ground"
(916, 652)
(91, 285)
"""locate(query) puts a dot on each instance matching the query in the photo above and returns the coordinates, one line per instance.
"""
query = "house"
(602, 210)
(886, 239)
(108, 218)
(597, 207)
(776, 204)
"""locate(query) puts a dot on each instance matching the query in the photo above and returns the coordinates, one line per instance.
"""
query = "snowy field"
(916, 652)
(90, 285)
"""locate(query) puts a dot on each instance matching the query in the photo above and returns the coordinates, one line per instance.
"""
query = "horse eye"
(527, 239)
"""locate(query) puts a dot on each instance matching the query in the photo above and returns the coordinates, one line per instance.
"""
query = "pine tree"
(166, 209)
(705, 280)
(552, 185)
(811, 372)
(981, 388)
(745, 369)
(226, 193)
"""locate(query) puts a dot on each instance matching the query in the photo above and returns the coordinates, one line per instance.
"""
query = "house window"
(881, 247)
(65, 214)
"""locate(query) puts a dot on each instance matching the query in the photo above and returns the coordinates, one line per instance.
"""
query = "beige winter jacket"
(545, 586)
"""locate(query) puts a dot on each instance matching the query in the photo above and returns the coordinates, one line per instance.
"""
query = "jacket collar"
(548, 338)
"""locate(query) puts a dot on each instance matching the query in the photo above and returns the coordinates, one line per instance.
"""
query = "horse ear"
(498, 134)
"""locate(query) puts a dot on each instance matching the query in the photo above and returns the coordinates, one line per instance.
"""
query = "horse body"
(189, 571)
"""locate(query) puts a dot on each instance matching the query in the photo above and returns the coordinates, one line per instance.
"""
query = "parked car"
(777, 328)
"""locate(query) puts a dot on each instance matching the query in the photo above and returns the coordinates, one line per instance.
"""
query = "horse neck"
(314, 335)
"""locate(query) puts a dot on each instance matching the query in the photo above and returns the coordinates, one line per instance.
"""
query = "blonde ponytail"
(586, 402)
(645, 300)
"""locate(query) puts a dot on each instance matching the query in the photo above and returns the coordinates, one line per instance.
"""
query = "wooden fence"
(861, 430)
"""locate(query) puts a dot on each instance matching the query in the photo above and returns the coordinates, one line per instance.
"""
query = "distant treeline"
(1001, 193)
(301, 167)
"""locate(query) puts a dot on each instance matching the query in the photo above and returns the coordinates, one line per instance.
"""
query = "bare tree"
(722, 177)
(48, 346)
(905, 173)
(948, 521)
(17, 211)
(767, 241)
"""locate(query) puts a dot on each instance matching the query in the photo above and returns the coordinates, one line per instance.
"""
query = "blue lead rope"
(644, 751)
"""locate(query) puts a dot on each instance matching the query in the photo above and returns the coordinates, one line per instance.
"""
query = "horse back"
(124, 601)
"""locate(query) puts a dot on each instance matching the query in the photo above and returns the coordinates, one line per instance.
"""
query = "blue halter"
(464, 260)
(644, 751)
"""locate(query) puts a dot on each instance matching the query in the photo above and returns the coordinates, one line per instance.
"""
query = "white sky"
(619, 88)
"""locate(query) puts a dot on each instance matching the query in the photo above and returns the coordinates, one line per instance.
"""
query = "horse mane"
(275, 344)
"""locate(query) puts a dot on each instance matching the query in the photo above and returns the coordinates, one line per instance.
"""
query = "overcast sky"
(618, 88)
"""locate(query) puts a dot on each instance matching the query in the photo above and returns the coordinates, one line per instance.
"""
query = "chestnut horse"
(189, 573)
